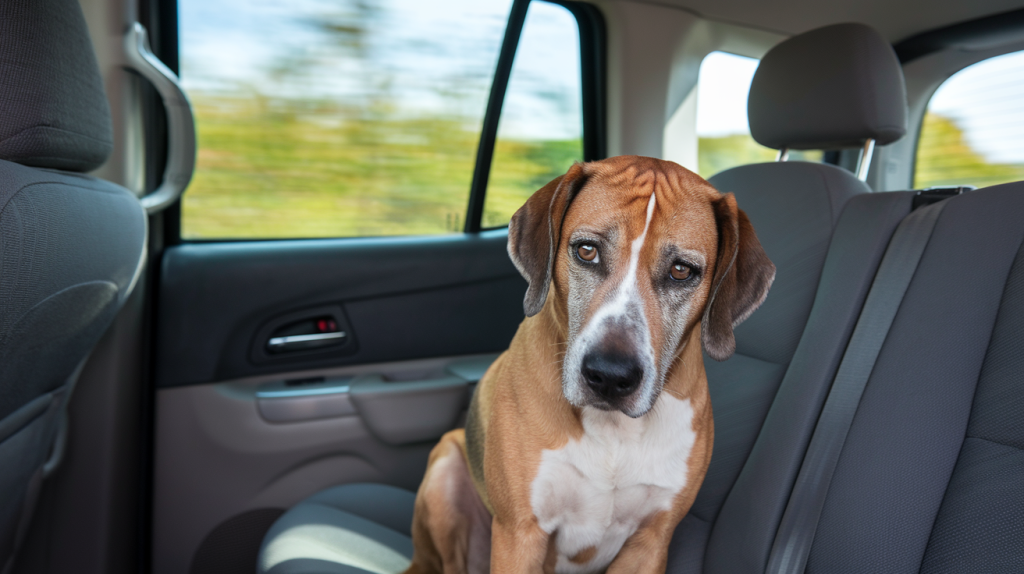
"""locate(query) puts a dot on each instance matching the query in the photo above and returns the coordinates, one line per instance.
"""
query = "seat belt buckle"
(932, 195)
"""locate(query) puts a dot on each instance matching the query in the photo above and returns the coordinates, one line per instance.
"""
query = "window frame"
(162, 15)
(593, 46)
(952, 37)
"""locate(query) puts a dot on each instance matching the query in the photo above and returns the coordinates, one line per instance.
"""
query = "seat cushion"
(354, 528)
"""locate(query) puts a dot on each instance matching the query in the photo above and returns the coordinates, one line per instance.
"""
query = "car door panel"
(241, 436)
(405, 298)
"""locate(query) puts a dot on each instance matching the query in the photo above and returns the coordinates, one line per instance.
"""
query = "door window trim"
(593, 44)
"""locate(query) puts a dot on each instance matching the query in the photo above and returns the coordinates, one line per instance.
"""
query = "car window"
(540, 132)
(331, 118)
(723, 133)
(973, 130)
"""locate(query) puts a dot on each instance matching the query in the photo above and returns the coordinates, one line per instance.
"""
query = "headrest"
(53, 111)
(829, 88)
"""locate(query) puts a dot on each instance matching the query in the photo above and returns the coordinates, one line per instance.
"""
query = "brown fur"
(519, 410)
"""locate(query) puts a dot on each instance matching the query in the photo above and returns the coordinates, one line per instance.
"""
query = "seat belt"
(793, 540)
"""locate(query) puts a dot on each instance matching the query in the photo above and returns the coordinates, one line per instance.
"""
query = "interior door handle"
(296, 342)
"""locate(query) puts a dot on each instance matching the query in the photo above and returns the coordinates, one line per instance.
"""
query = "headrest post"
(783, 154)
(864, 163)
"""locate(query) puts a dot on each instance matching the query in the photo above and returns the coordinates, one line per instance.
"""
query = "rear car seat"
(794, 340)
(930, 477)
(829, 88)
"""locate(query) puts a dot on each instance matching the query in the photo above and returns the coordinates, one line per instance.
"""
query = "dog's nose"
(612, 376)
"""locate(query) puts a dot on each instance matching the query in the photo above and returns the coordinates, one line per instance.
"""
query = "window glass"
(321, 118)
(723, 133)
(973, 131)
(540, 133)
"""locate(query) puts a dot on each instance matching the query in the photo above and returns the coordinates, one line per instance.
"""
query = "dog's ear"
(743, 275)
(535, 232)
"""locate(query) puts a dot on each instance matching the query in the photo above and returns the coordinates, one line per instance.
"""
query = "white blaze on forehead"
(628, 288)
(638, 243)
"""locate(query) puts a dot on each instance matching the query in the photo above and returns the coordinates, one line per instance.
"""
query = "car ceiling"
(895, 19)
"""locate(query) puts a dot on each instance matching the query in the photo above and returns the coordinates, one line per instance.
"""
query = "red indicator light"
(326, 325)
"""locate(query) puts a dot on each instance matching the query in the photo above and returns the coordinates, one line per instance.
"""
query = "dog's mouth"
(631, 407)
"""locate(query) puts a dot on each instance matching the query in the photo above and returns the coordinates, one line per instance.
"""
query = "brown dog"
(588, 439)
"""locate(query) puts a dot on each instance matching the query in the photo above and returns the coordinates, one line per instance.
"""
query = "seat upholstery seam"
(759, 359)
(3, 209)
(67, 131)
(339, 510)
(992, 441)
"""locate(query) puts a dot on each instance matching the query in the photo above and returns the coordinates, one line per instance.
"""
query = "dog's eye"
(586, 252)
(681, 272)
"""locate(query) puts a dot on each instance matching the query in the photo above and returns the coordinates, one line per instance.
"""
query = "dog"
(587, 440)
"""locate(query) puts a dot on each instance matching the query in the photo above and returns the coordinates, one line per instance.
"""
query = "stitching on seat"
(1000, 443)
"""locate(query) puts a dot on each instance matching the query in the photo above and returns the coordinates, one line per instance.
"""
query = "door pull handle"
(297, 342)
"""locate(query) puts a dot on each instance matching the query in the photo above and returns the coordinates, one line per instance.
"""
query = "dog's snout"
(612, 376)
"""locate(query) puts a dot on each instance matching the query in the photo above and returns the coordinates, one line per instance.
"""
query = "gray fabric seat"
(931, 475)
(834, 87)
(826, 234)
(71, 246)
(348, 529)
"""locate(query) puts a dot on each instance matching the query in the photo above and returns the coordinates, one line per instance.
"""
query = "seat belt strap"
(793, 540)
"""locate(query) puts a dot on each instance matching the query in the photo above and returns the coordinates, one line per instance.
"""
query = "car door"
(336, 277)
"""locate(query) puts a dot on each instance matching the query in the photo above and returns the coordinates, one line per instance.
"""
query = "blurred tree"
(944, 157)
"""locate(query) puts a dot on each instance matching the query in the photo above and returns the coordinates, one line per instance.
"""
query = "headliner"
(894, 19)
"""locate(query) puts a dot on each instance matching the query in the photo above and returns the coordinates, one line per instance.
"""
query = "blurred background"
(339, 118)
(362, 117)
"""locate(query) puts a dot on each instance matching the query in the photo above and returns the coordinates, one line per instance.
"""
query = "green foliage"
(945, 158)
(304, 168)
(721, 153)
(521, 168)
(273, 169)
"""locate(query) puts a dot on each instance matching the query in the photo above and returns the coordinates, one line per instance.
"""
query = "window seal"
(489, 131)
(953, 36)
(160, 17)
(593, 58)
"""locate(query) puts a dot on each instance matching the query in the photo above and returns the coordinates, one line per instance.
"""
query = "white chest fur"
(596, 491)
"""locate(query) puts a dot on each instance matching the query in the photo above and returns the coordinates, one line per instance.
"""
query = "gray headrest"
(829, 88)
(53, 111)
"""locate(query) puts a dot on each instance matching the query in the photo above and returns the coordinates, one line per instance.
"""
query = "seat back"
(71, 246)
(830, 88)
(929, 478)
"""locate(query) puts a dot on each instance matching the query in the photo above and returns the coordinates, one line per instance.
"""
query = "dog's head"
(637, 252)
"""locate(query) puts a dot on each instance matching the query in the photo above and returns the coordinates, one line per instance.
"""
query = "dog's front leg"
(521, 547)
(646, 550)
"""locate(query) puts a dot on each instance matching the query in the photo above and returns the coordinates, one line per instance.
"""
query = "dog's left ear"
(743, 275)
(535, 232)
